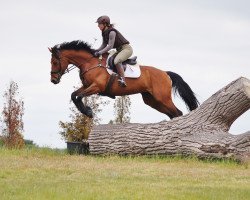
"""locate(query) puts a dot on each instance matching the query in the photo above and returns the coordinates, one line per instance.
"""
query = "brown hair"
(111, 25)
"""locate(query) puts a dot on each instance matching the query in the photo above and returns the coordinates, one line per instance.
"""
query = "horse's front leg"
(78, 95)
(92, 89)
(77, 101)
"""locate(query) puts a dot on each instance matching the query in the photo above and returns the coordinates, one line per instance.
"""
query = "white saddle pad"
(132, 71)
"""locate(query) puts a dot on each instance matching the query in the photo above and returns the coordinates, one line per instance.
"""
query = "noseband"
(57, 72)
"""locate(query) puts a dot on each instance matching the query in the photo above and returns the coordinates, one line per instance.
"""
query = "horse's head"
(58, 65)
(75, 52)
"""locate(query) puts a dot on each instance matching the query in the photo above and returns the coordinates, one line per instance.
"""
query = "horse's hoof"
(89, 112)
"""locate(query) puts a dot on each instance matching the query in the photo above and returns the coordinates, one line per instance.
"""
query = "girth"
(108, 86)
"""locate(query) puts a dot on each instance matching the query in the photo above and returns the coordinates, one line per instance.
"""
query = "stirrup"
(122, 82)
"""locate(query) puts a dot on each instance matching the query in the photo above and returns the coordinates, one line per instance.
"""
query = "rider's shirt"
(119, 38)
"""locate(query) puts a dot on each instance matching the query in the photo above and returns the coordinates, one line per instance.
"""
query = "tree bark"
(202, 132)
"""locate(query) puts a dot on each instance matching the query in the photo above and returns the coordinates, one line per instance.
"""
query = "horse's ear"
(50, 49)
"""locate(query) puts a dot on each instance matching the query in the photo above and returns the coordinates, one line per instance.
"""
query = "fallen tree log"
(202, 132)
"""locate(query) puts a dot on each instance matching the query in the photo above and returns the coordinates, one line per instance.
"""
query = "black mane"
(74, 45)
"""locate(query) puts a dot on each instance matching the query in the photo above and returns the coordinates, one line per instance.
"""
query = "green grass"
(53, 174)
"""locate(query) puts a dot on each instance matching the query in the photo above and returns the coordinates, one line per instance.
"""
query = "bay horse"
(154, 84)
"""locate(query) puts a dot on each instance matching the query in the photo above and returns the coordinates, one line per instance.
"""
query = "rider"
(112, 38)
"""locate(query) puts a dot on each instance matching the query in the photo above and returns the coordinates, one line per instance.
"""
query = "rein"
(69, 68)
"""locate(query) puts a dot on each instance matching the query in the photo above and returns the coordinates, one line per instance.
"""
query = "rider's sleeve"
(110, 44)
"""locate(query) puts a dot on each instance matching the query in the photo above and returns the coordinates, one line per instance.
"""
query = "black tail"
(184, 91)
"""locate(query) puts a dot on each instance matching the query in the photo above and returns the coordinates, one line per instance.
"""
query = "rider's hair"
(111, 25)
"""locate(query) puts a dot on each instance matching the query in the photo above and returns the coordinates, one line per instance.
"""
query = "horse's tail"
(184, 91)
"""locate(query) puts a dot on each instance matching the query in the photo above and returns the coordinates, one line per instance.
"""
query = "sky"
(206, 42)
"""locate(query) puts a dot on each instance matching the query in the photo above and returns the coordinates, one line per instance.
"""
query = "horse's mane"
(74, 45)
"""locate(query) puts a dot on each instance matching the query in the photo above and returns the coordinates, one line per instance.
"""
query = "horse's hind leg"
(167, 107)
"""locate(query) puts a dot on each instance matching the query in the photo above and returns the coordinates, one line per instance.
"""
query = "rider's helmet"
(103, 20)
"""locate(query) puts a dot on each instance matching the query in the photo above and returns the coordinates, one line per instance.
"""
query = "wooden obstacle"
(202, 132)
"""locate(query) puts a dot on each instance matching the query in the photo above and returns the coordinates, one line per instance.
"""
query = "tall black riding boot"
(120, 71)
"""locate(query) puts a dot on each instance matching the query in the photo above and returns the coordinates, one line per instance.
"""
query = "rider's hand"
(97, 54)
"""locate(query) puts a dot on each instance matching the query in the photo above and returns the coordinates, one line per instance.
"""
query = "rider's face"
(101, 26)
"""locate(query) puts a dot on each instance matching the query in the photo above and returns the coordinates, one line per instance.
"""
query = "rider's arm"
(110, 44)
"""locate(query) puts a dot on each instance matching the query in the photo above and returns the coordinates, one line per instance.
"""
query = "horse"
(153, 84)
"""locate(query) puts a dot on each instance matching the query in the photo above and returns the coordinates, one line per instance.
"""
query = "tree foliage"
(79, 127)
(12, 118)
(121, 107)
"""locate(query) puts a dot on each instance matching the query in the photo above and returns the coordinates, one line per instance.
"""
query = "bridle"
(60, 72)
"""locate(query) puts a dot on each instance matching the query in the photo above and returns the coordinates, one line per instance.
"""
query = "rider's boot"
(120, 71)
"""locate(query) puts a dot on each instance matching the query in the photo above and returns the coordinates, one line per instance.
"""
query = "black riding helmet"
(103, 20)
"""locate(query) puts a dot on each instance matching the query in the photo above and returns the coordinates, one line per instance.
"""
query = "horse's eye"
(54, 63)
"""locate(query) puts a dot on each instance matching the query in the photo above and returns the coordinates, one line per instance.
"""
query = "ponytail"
(111, 25)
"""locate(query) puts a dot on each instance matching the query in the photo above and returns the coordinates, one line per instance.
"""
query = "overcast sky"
(207, 42)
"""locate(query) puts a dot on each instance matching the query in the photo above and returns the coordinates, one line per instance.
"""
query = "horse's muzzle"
(55, 81)
(55, 76)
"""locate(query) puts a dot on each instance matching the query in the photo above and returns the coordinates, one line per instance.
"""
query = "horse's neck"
(78, 58)
(84, 60)
(93, 70)
(94, 61)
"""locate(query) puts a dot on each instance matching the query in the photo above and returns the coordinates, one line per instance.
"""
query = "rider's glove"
(97, 54)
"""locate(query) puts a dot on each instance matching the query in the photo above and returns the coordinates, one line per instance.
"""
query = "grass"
(42, 173)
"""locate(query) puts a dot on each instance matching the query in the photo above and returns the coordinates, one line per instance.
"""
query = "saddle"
(130, 61)
(132, 70)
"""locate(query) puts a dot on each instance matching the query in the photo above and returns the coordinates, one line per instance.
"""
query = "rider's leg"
(120, 71)
(123, 55)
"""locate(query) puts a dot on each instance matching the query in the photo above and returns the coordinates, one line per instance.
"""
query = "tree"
(202, 132)
(79, 127)
(12, 114)
(121, 106)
